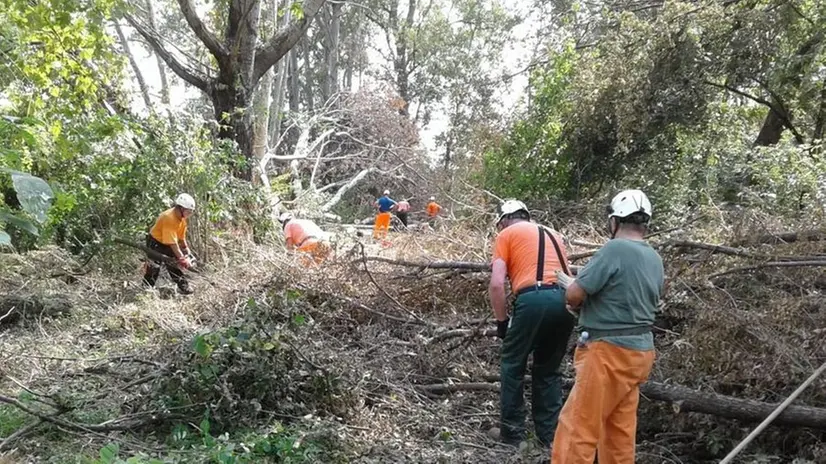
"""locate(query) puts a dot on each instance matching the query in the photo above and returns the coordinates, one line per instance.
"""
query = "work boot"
(185, 289)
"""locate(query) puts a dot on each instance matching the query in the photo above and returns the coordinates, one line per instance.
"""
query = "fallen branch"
(440, 337)
(819, 263)
(684, 399)
(153, 254)
(785, 237)
(381, 289)
(482, 267)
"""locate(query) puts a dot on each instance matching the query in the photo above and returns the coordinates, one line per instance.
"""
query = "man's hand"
(184, 262)
(502, 328)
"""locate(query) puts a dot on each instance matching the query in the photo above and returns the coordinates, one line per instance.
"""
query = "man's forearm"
(177, 250)
(498, 302)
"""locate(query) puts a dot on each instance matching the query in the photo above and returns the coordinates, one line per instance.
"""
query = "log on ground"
(683, 399)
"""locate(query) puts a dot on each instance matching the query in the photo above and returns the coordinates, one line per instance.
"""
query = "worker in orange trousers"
(615, 295)
(385, 205)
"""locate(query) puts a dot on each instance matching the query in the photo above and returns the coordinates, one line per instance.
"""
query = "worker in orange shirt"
(529, 254)
(433, 209)
(168, 237)
(306, 237)
(616, 294)
(385, 205)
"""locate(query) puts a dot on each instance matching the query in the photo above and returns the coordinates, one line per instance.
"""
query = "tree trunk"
(820, 119)
(141, 82)
(279, 87)
(773, 125)
(161, 68)
(331, 52)
(308, 76)
(295, 92)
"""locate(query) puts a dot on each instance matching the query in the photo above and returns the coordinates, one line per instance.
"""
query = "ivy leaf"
(33, 193)
(109, 453)
(5, 239)
(19, 222)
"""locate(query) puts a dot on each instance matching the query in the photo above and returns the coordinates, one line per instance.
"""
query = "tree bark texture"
(138, 75)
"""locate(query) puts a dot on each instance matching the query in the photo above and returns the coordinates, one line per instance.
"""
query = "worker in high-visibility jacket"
(385, 205)
(538, 324)
(306, 237)
(433, 209)
(168, 237)
(616, 294)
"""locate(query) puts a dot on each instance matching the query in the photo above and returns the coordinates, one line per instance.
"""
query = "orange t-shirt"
(433, 208)
(518, 246)
(299, 232)
(169, 228)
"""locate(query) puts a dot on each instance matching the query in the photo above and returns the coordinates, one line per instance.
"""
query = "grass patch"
(11, 419)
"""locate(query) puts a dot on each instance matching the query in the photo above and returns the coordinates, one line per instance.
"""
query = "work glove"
(184, 262)
(502, 328)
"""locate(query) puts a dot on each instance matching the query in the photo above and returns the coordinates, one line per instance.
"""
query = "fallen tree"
(683, 399)
(785, 237)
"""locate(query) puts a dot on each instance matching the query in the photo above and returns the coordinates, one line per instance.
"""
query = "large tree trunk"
(278, 90)
(241, 63)
(141, 82)
(331, 44)
(820, 119)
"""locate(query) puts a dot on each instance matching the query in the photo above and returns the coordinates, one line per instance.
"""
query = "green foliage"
(33, 196)
(246, 371)
(672, 101)
(191, 444)
(11, 419)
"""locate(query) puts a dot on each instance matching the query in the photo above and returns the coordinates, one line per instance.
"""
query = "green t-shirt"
(624, 281)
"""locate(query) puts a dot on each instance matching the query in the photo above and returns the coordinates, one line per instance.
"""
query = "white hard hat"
(629, 202)
(284, 217)
(510, 207)
(386, 192)
(185, 200)
(432, 198)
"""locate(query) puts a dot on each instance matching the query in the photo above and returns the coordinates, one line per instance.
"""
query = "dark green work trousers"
(539, 324)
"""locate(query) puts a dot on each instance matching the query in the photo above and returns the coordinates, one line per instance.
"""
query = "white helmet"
(629, 202)
(432, 198)
(284, 217)
(510, 207)
(386, 192)
(185, 200)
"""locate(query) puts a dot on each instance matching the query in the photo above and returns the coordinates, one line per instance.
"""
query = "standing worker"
(529, 255)
(305, 236)
(402, 209)
(618, 291)
(433, 209)
(168, 237)
(384, 204)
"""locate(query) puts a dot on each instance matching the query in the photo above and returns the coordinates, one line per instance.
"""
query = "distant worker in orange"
(385, 205)
(306, 237)
(433, 209)
(617, 291)
(529, 254)
(168, 237)
(402, 210)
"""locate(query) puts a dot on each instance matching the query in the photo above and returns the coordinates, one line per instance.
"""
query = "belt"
(307, 239)
(536, 288)
(594, 334)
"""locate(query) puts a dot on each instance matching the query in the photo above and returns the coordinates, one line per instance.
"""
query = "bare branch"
(202, 32)
(284, 40)
(154, 41)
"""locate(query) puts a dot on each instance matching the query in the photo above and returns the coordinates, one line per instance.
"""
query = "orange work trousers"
(382, 225)
(600, 415)
(314, 252)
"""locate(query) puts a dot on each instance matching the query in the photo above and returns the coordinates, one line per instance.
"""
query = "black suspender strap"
(540, 260)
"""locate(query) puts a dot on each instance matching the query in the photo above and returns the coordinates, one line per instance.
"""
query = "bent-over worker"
(385, 205)
(168, 237)
(305, 236)
(617, 291)
(529, 254)
(402, 210)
